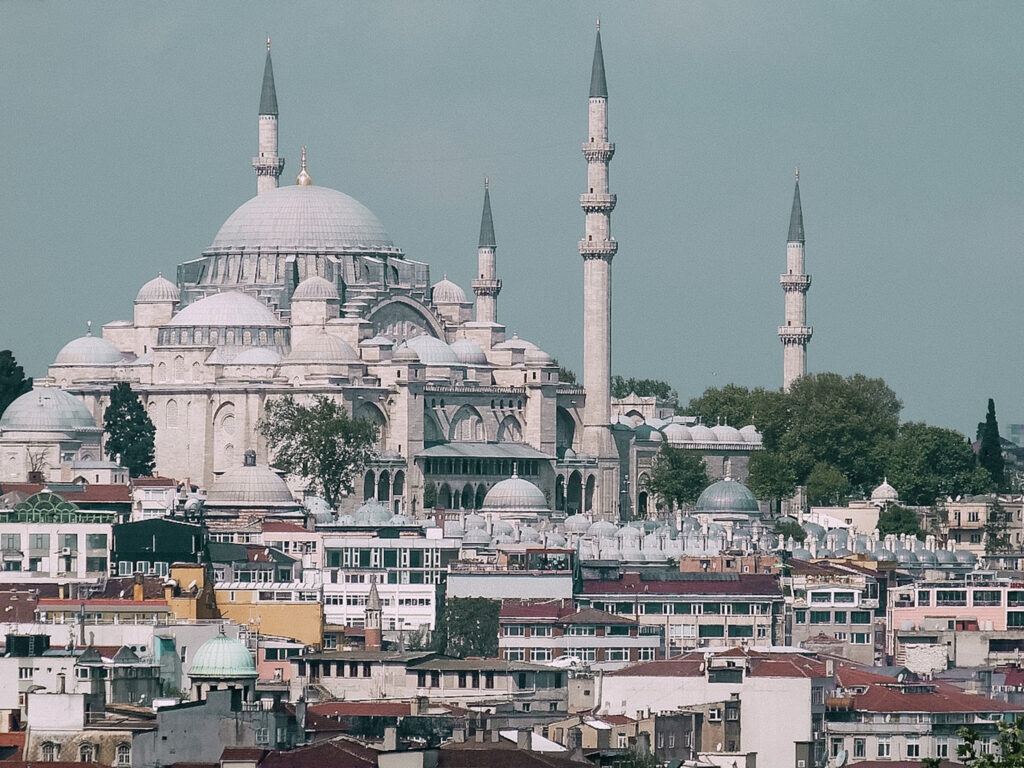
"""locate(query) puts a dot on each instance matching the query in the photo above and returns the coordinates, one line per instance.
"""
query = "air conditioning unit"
(66, 552)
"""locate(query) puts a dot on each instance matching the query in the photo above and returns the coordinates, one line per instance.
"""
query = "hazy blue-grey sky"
(127, 132)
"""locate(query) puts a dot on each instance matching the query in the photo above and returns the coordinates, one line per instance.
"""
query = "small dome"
(159, 290)
(814, 530)
(964, 557)
(89, 350)
(477, 536)
(945, 557)
(502, 528)
(537, 357)
(701, 434)
(529, 534)
(405, 355)
(222, 658)
(727, 496)
(373, 512)
(644, 433)
(432, 351)
(750, 434)
(303, 219)
(677, 433)
(226, 309)
(801, 554)
(315, 288)
(515, 495)
(469, 352)
(323, 347)
(556, 540)
(47, 409)
(926, 557)
(576, 524)
(250, 486)
(256, 356)
(400, 520)
(447, 292)
(726, 434)
(602, 529)
(884, 493)
(516, 343)
(474, 522)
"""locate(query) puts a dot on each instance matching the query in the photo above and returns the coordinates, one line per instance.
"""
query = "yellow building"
(283, 610)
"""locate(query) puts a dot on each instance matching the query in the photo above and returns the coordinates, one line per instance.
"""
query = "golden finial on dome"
(303, 179)
(88, 325)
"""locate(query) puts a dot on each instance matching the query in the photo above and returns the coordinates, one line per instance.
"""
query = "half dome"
(303, 219)
(230, 308)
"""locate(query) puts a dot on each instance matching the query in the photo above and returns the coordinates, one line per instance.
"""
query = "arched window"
(509, 431)
(161, 373)
(51, 752)
(124, 755)
(197, 373)
(467, 425)
(87, 753)
(171, 414)
(179, 368)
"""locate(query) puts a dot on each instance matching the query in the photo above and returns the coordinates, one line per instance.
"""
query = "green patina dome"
(727, 496)
(222, 657)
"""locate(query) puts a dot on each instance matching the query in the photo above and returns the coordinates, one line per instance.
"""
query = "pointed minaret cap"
(598, 85)
(303, 179)
(268, 96)
(796, 218)
(373, 599)
(487, 239)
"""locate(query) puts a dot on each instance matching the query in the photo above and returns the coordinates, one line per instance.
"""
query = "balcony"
(599, 247)
(794, 333)
(795, 282)
(593, 203)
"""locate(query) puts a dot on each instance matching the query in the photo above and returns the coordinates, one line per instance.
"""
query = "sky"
(128, 131)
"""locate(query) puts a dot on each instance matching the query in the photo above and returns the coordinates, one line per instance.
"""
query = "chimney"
(61, 683)
(138, 591)
(478, 736)
(495, 736)
(830, 668)
(524, 739)
(458, 735)
(390, 738)
(420, 705)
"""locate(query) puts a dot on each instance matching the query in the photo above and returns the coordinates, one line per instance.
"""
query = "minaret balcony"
(483, 287)
(795, 334)
(795, 282)
(599, 247)
(268, 166)
(598, 150)
(597, 203)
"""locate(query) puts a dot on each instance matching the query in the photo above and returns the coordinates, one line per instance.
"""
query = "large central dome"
(303, 219)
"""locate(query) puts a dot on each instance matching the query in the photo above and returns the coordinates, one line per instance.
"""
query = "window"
(616, 654)
(839, 617)
(861, 638)
(51, 752)
(542, 654)
(69, 541)
(942, 748)
(715, 715)
(262, 735)
(540, 630)
(96, 541)
(821, 617)
(732, 713)
(581, 629)
(884, 746)
(858, 748)
(124, 568)
(645, 654)
(951, 597)
(488, 679)
(741, 630)
(842, 598)
(515, 630)
(25, 673)
(39, 541)
(801, 617)
(860, 617)
(10, 541)
(821, 598)
(924, 597)
(96, 564)
(712, 630)
(987, 597)
(913, 746)
(515, 654)
(87, 753)
(462, 679)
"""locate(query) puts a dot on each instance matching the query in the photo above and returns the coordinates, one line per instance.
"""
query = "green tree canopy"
(1006, 752)
(990, 453)
(130, 433)
(997, 530)
(678, 476)
(826, 485)
(840, 422)
(429, 494)
(790, 528)
(320, 443)
(926, 463)
(13, 383)
(565, 375)
(469, 627)
(896, 520)
(623, 387)
(771, 477)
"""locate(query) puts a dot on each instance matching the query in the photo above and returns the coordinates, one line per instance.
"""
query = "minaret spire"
(486, 286)
(597, 248)
(795, 334)
(267, 164)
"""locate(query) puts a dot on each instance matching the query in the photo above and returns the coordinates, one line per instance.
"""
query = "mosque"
(302, 291)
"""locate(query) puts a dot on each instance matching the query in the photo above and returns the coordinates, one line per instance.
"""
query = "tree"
(678, 476)
(320, 443)
(790, 528)
(990, 453)
(13, 383)
(841, 422)
(468, 627)
(1007, 752)
(826, 485)
(429, 494)
(565, 375)
(997, 535)
(771, 477)
(130, 433)
(897, 520)
(926, 463)
(622, 387)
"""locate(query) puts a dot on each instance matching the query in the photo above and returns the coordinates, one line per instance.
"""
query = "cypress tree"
(130, 433)
(990, 453)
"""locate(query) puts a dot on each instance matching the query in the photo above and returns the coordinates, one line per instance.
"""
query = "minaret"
(267, 164)
(486, 286)
(795, 333)
(597, 249)
(372, 622)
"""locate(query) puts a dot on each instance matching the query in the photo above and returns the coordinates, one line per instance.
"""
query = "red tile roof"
(724, 584)
(339, 752)
(884, 694)
(535, 609)
(470, 754)
(277, 526)
(761, 664)
(357, 708)
(155, 482)
(93, 493)
(243, 753)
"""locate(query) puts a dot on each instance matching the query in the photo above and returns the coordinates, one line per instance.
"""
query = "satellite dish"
(841, 757)
(718, 747)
